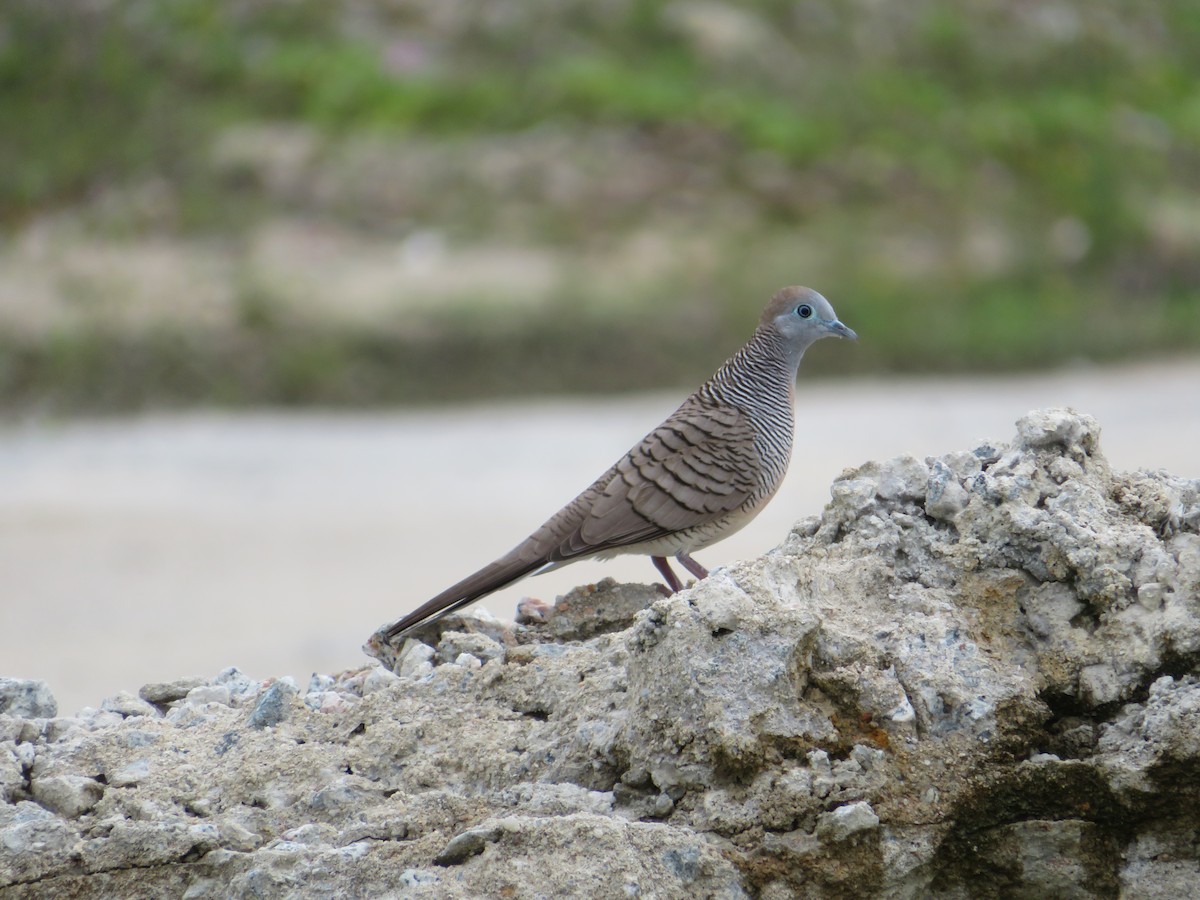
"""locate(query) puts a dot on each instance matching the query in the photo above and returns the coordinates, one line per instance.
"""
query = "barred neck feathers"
(760, 380)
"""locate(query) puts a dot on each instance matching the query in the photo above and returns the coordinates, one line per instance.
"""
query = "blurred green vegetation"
(982, 186)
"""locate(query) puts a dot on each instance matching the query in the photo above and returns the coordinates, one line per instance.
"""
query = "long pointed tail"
(492, 577)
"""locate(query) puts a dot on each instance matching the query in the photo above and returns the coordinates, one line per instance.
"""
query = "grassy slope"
(986, 187)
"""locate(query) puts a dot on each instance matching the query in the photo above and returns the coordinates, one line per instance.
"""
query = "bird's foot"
(691, 565)
(664, 567)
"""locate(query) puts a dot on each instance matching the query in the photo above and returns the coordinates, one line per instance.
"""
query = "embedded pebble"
(416, 660)
(1150, 595)
(377, 679)
(319, 683)
(903, 478)
(417, 878)
(100, 719)
(1062, 427)
(209, 693)
(470, 843)
(68, 795)
(239, 684)
(454, 644)
(164, 692)
(835, 826)
(58, 728)
(312, 833)
(663, 805)
(131, 774)
(126, 704)
(273, 706)
(945, 498)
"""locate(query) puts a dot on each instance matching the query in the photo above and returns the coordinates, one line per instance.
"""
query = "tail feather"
(491, 577)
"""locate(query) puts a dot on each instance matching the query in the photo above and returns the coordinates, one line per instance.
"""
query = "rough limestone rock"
(971, 676)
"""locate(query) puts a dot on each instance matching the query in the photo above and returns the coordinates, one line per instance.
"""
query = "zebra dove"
(698, 477)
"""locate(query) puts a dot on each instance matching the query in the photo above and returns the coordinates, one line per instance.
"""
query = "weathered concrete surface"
(973, 676)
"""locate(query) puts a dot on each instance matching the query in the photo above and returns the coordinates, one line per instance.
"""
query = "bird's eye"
(804, 311)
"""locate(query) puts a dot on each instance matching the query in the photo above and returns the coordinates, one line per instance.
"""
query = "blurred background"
(275, 274)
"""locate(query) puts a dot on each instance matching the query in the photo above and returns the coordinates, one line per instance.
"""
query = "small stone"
(58, 728)
(1150, 595)
(963, 463)
(209, 693)
(903, 478)
(455, 644)
(1058, 427)
(273, 707)
(235, 837)
(239, 684)
(945, 498)
(636, 777)
(853, 818)
(334, 702)
(104, 719)
(30, 835)
(312, 834)
(1038, 758)
(415, 660)
(986, 454)
(1063, 469)
(205, 835)
(356, 850)
(866, 757)
(136, 739)
(203, 888)
(852, 496)
(417, 878)
(184, 715)
(667, 779)
(721, 610)
(68, 795)
(1099, 684)
(818, 761)
(163, 692)
(10, 728)
(470, 843)
(126, 704)
(1160, 688)
(319, 683)
(663, 805)
(377, 679)
(27, 698)
(132, 775)
(25, 754)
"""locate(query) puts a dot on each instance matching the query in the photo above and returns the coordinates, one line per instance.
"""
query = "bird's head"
(803, 317)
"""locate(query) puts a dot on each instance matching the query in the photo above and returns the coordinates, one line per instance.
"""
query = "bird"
(701, 475)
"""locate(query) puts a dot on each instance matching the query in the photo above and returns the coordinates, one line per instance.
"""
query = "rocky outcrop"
(972, 676)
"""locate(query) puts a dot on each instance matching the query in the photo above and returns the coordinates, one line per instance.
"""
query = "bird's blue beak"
(837, 329)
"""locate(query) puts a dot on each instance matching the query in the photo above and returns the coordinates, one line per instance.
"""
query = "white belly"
(688, 541)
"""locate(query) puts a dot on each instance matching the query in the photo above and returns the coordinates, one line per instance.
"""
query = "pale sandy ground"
(143, 549)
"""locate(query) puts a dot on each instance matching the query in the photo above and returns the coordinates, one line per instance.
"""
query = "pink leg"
(691, 565)
(660, 563)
